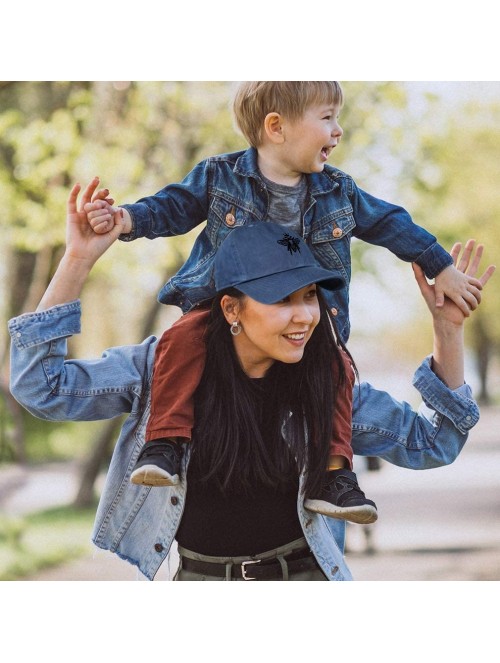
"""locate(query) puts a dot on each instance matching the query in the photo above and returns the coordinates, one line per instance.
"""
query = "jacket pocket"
(331, 239)
(224, 214)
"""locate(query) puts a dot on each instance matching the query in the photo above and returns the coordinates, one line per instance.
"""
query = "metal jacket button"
(337, 232)
(334, 311)
(230, 220)
(158, 547)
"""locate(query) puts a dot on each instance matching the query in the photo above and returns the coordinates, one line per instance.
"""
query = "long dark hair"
(266, 430)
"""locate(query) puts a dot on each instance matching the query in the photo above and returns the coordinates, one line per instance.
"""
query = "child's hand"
(101, 215)
(452, 311)
(457, 283)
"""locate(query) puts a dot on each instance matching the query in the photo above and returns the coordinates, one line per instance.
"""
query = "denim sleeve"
(175, 210)
(55, 388)
(390, 226)
(431, 437)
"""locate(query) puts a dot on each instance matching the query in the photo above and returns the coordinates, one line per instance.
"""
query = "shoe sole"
(362, 515)
(152, 475)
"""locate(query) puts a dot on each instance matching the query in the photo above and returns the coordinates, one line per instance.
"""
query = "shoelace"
(344, 485)
(169, 451)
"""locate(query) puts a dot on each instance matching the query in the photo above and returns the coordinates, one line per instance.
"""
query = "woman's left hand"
(468, 263)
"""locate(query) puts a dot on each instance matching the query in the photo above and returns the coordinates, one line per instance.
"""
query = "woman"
(258, 365)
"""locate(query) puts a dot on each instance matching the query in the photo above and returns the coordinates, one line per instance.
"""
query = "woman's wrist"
(448, 354)
(448, 330)
(67, 282)
(76, 267)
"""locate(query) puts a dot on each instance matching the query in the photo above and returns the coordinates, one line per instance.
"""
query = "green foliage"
(58, 441)
(43, 540)
(456, 177)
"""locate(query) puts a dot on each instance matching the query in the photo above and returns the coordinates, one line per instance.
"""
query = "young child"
(292, 128)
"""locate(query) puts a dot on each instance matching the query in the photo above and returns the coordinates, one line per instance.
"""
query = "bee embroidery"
(291, 243)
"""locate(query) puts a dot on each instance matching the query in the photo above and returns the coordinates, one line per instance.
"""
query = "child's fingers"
(102, 225)
(99, 207)
(463, 306)
(472, 299)
(102, 194)
(91, 207)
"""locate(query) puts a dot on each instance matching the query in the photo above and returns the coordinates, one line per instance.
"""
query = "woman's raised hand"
(468, 263)
(82, 242)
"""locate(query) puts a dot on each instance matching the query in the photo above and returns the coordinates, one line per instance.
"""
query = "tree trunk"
(99, 455)
(483, 350)
(101, 452)
(14, 439)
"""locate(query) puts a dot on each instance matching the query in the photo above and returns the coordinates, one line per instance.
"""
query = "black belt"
(253, 569)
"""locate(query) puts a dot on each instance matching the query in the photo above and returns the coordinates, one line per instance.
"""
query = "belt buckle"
(244, 571)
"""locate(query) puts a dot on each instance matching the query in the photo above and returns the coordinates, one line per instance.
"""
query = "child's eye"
(312, 293)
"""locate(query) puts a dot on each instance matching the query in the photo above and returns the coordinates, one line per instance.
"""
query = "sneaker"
(158, 464)
(341, 497)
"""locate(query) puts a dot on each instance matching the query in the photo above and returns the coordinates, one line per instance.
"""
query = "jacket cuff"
(458, 405)
(433, 260)
(139, 213)
(30, 329)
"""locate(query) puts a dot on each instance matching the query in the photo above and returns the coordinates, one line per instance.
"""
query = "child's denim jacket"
(139, 523)
(228, 191)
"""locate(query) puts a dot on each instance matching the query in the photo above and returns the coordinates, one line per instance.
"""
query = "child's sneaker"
(158, 464)
(341, 497)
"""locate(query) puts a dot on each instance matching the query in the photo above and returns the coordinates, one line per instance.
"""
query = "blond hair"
(255, 99)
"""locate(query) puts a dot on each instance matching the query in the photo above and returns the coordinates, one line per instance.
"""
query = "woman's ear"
(230, 307)
(273, 128)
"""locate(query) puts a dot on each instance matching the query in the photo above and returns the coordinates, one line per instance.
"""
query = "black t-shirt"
(232, 524)
(238, 522)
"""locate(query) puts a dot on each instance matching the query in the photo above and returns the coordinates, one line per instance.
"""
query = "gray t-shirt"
(286, 204)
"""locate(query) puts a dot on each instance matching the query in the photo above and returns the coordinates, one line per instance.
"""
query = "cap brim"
(274, 287)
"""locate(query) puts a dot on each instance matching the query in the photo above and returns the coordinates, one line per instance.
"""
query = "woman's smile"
(276, 332)
(296, 338)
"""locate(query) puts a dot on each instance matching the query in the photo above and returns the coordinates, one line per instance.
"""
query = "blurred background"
(432, 147)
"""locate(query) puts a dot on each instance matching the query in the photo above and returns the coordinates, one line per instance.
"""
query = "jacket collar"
(319, 183)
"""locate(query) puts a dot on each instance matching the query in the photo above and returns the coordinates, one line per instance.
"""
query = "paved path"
(441, 524)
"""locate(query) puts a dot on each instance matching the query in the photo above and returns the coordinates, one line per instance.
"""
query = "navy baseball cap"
(268, 262)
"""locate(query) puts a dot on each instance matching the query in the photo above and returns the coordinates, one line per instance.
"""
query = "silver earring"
(235, 328)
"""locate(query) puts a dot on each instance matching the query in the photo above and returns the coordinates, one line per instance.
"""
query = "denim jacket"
(228, 191)
(139, 523)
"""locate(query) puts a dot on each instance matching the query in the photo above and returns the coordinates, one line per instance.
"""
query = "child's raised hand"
(101, 215)
(457, 282)
(81, 242)
(467, 265)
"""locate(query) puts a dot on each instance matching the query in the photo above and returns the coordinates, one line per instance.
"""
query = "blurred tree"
(139, 136)
(456, 179)
(38, 141)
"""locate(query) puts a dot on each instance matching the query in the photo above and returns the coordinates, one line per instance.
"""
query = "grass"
(42, 540)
